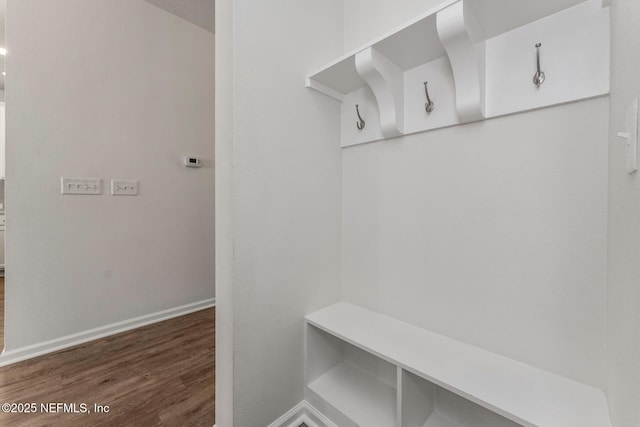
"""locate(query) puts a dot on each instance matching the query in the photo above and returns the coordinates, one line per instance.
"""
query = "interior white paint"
(3, 4)
(2, 137)
(624, 226)
(281, 251)
(517, 11)
(200, 12)
(224, 208)
(368, 19)
(110, 89)
(493, 233)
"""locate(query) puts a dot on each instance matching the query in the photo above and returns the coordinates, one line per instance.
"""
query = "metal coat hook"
(538, 77)
(429, 105)
(360, 123)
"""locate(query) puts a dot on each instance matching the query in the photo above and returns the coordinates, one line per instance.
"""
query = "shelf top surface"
(398, 45)
(522, 393)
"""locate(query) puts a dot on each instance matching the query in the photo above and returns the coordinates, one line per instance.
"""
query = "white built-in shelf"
(479, 58)
(365, 399)
(521, 393)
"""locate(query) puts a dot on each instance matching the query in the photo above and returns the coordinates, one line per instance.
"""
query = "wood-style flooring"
(157, 375)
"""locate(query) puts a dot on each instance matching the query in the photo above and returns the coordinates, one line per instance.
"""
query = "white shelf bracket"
(386, 81)
(454, 36)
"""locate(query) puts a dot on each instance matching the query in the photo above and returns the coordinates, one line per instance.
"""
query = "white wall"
(368, 19)
(280, 251)
(2, 146)
(106, 89)
(624, 226)
(224, 214)
(492, 233)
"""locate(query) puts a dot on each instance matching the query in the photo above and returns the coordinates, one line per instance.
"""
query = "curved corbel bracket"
(386, 81)
(455, 38)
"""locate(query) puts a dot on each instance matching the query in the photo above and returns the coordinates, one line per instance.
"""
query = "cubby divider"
(355, 386)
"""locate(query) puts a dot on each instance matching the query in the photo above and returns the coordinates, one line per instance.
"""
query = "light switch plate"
(82, 186)
(631, 137)
(124, 187)
(631, 157)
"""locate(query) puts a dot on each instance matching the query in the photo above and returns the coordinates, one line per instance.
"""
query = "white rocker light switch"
(631, 137)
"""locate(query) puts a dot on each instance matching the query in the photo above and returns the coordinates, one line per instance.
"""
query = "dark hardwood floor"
(157, 375)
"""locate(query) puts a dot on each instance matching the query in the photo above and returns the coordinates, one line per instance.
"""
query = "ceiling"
(199, 12)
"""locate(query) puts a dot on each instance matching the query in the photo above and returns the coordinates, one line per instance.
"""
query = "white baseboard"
(288, 416)
(31, 351)
(303, 412)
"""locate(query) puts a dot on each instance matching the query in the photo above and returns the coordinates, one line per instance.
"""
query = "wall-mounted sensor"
(192, 162)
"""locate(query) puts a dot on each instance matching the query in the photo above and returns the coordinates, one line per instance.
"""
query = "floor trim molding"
(35, 350)
(288, 416)
(303, 412)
